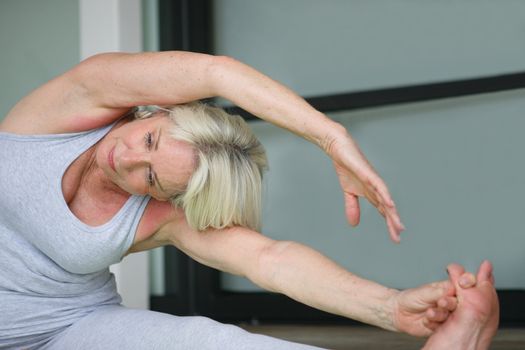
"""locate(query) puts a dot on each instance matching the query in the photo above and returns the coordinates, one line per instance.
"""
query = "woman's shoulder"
(156, 216)
(149, 234)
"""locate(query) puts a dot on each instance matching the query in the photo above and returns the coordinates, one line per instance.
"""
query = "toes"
(485, 272)
(458, 276)
(491, 279)
(467, 280)
(455, 271)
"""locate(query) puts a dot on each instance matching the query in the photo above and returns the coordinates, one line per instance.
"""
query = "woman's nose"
(130, 159)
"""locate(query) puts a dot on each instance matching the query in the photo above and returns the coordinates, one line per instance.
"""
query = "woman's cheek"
(133, 185)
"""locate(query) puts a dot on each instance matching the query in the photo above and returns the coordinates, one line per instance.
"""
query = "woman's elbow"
(270, 261)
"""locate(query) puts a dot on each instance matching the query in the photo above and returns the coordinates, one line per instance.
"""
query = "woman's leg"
(117, 327)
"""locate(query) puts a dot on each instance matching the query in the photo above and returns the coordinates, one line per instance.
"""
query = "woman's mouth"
(110, 160)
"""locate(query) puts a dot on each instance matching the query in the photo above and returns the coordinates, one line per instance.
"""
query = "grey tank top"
(53, 267)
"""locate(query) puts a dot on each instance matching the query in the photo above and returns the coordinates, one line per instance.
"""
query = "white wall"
(110, 25)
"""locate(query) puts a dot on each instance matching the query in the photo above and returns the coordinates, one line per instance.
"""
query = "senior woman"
(86, 179)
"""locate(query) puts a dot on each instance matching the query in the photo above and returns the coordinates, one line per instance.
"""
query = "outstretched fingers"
(377, 193)
(358, 180)
(395, 227)
(352, 209)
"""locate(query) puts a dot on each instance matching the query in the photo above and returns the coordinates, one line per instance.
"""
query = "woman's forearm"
(118, 80)
(287, 267)
(311, 278)
(272, 101)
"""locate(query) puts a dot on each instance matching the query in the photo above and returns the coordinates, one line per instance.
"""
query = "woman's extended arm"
(102, 88)
(309, 277)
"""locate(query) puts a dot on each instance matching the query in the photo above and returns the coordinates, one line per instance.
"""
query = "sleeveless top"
(54, 269)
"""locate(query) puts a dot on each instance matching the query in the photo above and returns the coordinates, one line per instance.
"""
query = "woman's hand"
(359, 179)
(420, 311)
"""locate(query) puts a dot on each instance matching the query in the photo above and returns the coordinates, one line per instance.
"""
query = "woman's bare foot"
(475, 321)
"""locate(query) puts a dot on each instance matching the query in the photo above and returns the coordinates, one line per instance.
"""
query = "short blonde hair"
(225, 189)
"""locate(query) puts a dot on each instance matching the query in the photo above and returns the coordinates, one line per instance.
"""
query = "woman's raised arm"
(102, 88)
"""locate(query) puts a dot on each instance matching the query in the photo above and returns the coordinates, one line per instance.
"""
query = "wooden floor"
(364, 338)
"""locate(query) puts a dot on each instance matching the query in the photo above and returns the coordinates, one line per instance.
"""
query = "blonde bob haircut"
(226, 186)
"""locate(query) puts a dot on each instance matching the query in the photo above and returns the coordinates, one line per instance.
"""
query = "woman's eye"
(150, 177)
(148, 138)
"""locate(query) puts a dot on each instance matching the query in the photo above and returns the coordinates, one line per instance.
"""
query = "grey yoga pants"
(116, 327)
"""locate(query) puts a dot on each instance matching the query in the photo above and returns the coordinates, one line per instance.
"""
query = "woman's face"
(141, 158)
